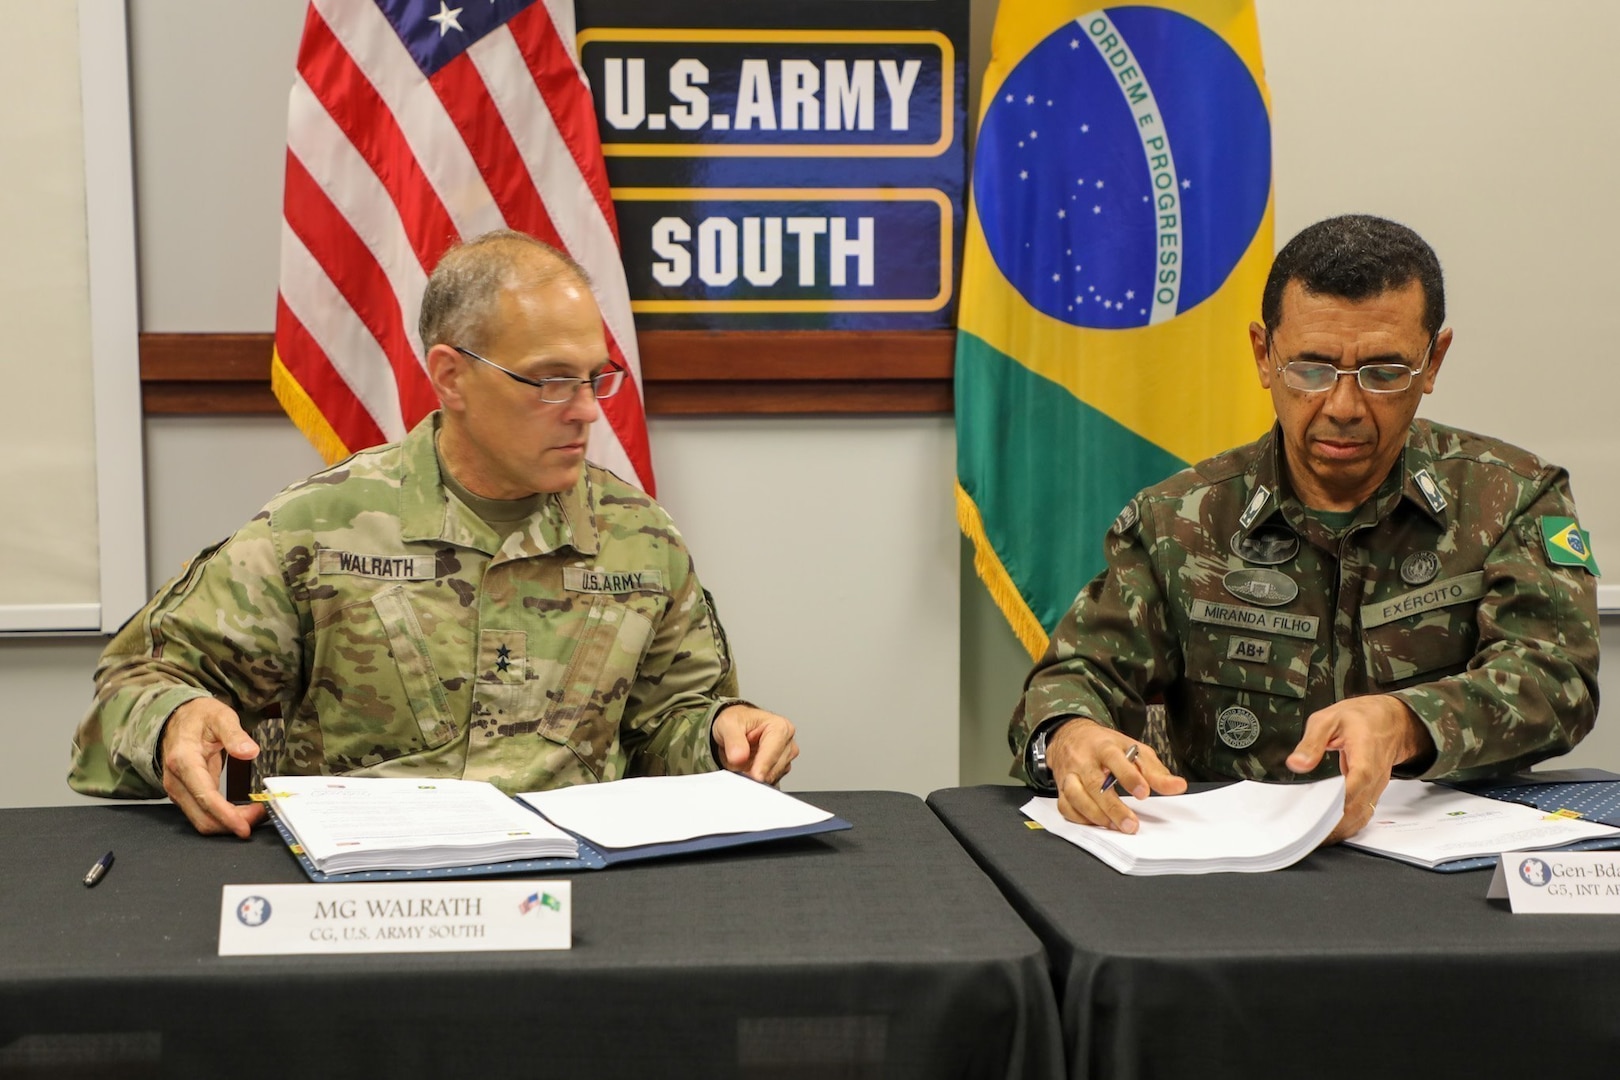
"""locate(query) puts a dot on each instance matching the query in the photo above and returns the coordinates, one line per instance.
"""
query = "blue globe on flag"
(1123, 168)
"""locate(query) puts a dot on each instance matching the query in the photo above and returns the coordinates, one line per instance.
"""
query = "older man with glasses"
(475, 601)
(1359, 591)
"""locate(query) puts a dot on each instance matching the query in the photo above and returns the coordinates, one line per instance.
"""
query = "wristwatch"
(1040, 773)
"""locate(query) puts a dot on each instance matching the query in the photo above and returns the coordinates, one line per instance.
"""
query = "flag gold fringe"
(304, 413)
(987, 564)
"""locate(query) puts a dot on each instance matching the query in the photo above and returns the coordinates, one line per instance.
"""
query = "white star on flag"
(446, 18)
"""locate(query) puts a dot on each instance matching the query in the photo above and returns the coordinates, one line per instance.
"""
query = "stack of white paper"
(350, 824)
(1245, 828)
(649, 810)
(1427, 825)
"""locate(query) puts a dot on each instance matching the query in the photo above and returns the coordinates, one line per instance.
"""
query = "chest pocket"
(1253, 663)
(586, 703)
(374, 687)
(1437, 639)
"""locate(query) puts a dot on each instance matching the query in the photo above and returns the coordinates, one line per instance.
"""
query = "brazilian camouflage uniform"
(1442, 592)
(366, 622)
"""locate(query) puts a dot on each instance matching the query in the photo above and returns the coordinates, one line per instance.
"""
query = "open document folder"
(1439, 828)
(375, 828)
(1245, 828)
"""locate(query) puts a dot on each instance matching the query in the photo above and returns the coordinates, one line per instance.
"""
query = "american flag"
(412, 124)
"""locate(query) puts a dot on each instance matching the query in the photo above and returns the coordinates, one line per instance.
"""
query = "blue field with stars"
(1071, 202)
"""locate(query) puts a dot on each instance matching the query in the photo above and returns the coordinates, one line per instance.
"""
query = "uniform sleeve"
(1112, 651)
(1531, 690)
(685, 677)
(225, 628)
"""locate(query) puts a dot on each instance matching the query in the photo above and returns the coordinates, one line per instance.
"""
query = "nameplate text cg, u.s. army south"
(1558, 882)
(397, 916)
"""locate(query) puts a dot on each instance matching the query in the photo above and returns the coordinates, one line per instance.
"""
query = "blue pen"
(1130, 755)
(98, 871)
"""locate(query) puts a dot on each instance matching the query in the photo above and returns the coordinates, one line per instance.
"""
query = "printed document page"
(669, 809)
(1246, 827)
(1428, 824)
(351, 823)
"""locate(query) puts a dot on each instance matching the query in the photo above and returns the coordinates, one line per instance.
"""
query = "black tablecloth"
(1344, 964)
(882, 951)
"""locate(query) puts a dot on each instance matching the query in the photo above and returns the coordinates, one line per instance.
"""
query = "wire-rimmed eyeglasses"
(1319, 376)
(559, 389)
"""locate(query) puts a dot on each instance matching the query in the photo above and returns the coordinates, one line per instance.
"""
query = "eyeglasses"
(1318, 376)
(559, 389)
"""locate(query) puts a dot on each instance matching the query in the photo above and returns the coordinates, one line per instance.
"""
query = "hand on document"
(1083, 755)
(1372, 735)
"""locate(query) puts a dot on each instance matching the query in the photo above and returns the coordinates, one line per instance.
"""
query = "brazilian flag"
(1118, 239)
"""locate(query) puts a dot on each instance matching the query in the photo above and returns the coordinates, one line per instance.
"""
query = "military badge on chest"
(1420, 567)
(1268, 588)
(1238, 727)
(1269, 545)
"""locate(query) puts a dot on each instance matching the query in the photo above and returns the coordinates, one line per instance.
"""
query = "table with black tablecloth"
(877, 952)
(1344, 964)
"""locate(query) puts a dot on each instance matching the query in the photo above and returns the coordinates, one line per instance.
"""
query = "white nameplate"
(1558, 882)
(426, 916)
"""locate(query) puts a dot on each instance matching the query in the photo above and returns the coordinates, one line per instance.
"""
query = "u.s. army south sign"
(783, 168)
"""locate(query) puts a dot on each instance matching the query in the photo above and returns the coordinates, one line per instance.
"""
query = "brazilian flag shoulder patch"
(1567, 543)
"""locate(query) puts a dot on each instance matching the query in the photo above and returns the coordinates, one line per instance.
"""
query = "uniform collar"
(1414, 479)
(428, 513)
(1422, 484)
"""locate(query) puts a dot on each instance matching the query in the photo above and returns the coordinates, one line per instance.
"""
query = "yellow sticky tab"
(266, 796)
(1564, 812)
(296, 849)
(1033, 825)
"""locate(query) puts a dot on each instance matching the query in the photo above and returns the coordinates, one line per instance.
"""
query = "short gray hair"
(458, 304)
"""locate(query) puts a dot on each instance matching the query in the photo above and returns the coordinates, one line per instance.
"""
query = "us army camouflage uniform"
(366, 622)
(1441, 592)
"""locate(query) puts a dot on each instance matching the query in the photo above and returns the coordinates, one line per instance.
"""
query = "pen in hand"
(99, 870)
(1130, 756)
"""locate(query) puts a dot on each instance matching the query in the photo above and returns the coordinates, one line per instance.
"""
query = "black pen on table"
(98, 871)
(1130, 756)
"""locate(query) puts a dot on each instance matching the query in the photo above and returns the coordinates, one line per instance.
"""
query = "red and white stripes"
(387, 168)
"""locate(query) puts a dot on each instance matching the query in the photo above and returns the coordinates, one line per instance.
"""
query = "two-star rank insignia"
(503, 658)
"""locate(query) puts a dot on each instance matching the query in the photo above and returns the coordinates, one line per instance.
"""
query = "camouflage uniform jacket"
(366, 622)
(1441, 592)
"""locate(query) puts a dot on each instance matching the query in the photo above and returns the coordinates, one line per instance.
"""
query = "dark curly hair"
(1356, 256)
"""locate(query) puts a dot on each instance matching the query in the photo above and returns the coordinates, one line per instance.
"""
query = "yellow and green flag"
(1118, 239)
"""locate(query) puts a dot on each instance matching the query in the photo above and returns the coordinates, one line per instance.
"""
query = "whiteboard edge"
(114, 314)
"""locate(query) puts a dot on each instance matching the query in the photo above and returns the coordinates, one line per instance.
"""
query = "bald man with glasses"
(474, 601)
(1359, 591)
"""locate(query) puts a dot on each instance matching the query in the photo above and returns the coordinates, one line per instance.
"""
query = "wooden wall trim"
(685, 372)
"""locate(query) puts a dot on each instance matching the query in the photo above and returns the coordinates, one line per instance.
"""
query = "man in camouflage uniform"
(474, 601)
(1417, 598)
